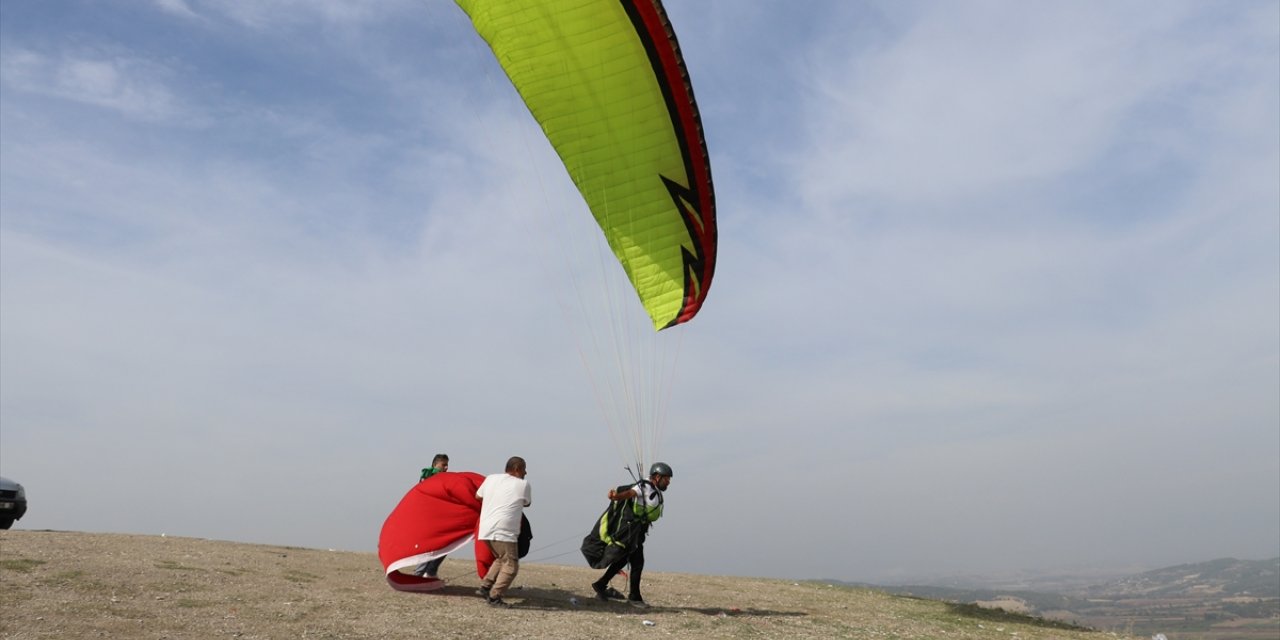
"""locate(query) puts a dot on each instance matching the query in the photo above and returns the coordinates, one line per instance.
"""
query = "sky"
(998, 285)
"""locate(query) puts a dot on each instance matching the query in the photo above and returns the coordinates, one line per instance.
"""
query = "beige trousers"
(506, 564)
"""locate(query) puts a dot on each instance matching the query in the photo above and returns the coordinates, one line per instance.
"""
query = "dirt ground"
(57, 584)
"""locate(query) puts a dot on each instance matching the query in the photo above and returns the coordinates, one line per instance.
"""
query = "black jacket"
(616, 534)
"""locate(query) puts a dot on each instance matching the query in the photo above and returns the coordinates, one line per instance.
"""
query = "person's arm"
(618, 496)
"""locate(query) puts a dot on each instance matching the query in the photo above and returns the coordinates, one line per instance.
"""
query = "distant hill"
(1224, 599)
(1224, 577)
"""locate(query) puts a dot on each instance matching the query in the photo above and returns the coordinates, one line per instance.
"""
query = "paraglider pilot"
(618, 536)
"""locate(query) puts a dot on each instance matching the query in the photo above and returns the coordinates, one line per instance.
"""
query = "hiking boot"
(498, 603)
(606, 592)
(483, 592)
(639, 604)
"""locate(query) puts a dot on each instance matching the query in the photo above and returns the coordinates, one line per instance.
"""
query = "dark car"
(13, 502)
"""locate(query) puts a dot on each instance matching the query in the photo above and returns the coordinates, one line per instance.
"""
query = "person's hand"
(612, 494)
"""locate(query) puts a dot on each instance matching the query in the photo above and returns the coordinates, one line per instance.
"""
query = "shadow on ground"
(544, 599)
(562, 600)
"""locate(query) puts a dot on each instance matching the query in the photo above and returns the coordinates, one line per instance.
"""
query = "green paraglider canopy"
(606, 82)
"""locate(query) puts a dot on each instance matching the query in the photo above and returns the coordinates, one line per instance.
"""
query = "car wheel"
(5, 523)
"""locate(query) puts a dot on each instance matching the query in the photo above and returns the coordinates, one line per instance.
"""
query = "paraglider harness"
(622, 528)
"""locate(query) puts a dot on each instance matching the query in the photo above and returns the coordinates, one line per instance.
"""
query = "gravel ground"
(58, 584)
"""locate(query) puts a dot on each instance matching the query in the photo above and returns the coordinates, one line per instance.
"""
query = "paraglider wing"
(606, 82)
(436, 517)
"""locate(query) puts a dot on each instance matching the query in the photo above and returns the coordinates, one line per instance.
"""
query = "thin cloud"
(967, 102)
(267, 15)
(180, 8)
(134, 87)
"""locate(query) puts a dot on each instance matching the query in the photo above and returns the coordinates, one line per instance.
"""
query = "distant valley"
(1225, 599)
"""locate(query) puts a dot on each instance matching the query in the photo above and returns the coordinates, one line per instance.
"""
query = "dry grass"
(56, 584)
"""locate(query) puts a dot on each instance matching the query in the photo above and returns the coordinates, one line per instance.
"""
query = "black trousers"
(636, 560)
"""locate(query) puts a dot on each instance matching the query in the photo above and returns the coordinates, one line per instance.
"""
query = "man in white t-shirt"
(503, 497)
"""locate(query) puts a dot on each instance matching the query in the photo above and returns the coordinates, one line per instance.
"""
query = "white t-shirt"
(502, 499)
